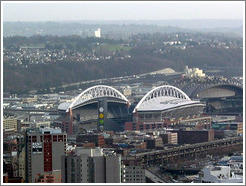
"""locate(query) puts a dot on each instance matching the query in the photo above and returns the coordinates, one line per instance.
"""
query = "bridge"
(159, 156)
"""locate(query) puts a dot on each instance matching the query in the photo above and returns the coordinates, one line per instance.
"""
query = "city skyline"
(123, 92)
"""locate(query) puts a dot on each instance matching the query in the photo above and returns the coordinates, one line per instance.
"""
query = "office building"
(91, 166)
(194, 136)
(169, 138)
(44, 148)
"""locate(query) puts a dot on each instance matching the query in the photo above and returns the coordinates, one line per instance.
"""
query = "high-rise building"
(91, 166)
(98, 33)
(22, 164)
(44, 148)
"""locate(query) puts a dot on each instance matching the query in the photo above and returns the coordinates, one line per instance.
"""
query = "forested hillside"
(40, 62)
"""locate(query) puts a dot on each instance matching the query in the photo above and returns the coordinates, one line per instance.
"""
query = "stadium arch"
(98, 91)
(165, 90)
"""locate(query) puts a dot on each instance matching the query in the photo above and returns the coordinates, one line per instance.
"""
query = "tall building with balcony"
(44, 148)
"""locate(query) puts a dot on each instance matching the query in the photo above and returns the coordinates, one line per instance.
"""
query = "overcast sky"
(59, 11)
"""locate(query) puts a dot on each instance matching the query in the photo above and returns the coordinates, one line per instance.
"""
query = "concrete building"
(91, 166)
(113, 168)
(98, 33)
(202, 122)
(152, 143)
(97, 139)
(10, 124)
(29, 99)
(44, 148)
(194, 136)
(169, 138)
(133, 174)
(193, 72)
(22, 164)
(142, 126)
(127, 91)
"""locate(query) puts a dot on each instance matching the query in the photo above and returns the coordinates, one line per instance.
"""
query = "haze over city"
(64, 11)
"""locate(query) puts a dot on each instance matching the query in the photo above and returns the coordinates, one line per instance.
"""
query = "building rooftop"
(45, 130)
(64, 106)
(164, 103)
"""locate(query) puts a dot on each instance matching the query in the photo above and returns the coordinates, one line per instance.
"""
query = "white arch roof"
(97, 91)
(163, 97)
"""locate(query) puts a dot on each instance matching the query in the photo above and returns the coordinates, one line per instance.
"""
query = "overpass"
(157, 157)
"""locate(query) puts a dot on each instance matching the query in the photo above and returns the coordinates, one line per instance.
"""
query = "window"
(54, 138)
(141, 127)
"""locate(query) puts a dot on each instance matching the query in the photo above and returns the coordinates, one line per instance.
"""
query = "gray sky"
(58, 11)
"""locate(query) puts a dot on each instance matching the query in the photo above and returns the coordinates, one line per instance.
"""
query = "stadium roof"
(165, 103)
(64, 106)
(162, 98)
(95, 92)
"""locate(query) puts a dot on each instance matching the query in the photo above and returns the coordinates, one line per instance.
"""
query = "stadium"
(164, 106)
(166, 102)
(83, 111)
(158, 107)
(221, 96)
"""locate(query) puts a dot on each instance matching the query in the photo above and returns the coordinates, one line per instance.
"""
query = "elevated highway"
(159, 156)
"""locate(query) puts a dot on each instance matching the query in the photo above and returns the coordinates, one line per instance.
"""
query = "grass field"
(112, 48)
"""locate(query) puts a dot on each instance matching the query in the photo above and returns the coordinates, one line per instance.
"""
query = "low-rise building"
(220, 174)
(133, 174)
(169, 138)
(194, 136)
(10, 124)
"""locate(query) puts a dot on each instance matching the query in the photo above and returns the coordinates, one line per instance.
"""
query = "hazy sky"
(58, 11)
